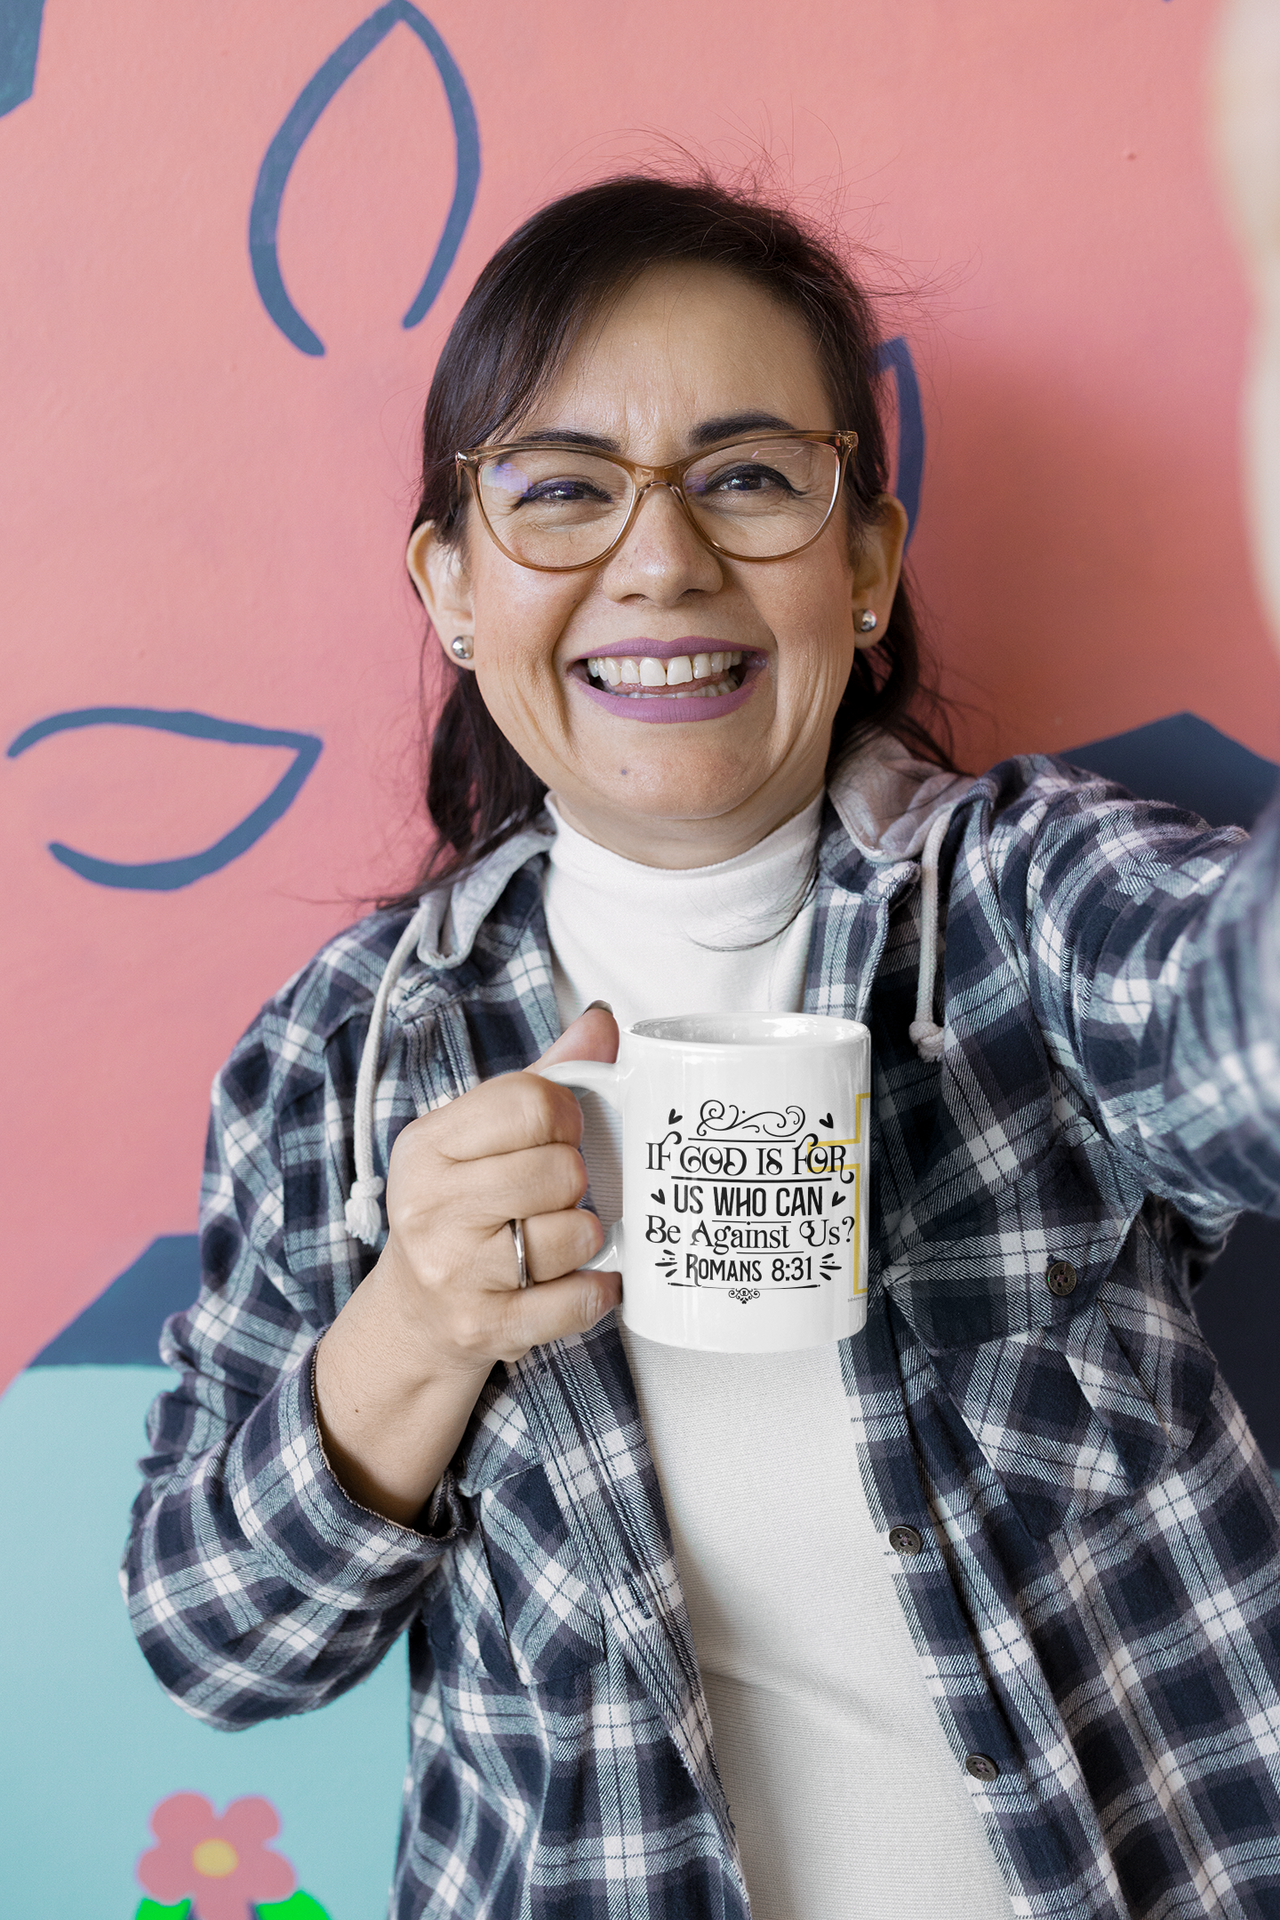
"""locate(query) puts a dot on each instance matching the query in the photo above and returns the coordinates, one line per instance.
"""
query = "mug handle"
(593, 1076)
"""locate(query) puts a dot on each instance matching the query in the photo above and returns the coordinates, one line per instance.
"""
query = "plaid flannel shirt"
(1097, 1605)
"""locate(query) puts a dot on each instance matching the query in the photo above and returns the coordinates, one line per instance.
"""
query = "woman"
(978, 1613)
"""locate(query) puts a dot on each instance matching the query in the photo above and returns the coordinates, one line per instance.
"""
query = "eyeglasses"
(557, 508)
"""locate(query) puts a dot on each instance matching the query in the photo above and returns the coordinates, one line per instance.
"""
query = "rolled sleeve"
(256, 1585)
(291, 1507)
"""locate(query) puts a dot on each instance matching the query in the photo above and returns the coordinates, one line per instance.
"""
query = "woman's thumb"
(592, 1036)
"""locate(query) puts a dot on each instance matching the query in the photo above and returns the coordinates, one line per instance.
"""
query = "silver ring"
(517, 1234)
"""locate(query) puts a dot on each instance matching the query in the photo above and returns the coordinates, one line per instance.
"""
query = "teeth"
(705, 693)
(646, 671)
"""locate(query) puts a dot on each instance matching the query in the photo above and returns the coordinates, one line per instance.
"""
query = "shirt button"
(1061, 1278)
(906, 1540)
(981, 1766)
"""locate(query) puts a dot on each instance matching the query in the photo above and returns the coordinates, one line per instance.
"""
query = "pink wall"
(197, 515)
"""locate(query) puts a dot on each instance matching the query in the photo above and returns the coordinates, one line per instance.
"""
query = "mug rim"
(818, 1034)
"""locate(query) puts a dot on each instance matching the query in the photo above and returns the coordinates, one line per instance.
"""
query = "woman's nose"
(662, 557)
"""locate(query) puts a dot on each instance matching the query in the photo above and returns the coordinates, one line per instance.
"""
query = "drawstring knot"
(362, 1213)
(924, 1030)
(927, 1037)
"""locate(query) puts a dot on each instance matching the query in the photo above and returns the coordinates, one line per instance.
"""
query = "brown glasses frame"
(644, 478)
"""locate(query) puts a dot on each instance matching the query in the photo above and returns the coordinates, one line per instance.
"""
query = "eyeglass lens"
(559, 507)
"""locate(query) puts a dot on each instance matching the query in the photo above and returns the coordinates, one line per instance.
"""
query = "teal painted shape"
(277, 165)
(121, 1328)
(164, 876)
(20, 22)
(91, 1742)
(895, 357)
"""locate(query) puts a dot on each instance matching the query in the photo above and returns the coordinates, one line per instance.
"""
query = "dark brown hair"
(515, 331)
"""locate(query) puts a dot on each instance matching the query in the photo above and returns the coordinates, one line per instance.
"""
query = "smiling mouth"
(698, 676)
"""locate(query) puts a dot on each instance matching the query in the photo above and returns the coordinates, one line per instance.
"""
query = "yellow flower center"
(215, 1859)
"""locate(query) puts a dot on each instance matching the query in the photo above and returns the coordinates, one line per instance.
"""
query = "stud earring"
(867, 621)
(461, 648)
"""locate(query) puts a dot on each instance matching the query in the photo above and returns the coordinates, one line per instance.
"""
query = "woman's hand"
(1247, 117)
(506, 1151)
(400, 1370)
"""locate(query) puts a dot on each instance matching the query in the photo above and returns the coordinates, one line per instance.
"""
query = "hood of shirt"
(886, 801)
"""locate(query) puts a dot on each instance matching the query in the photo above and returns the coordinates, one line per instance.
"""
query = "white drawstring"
(924, 1029)
(363, 1214)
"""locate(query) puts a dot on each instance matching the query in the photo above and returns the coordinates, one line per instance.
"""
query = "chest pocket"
(512, 1604)
(1093, 1410)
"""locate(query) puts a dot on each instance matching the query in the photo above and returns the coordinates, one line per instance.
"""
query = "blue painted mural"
(164, 876)
(264, 215)
(895, 358)
(94, 1751)
(20, 22)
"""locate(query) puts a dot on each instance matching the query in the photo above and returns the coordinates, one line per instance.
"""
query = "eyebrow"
(730, 425)
(708, 433)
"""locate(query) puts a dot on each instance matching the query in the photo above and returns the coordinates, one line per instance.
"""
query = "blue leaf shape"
(264, 214)
(20, 22)
(164, 876)
(896, 354)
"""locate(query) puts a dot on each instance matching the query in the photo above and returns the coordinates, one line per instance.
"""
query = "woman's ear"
(439, 573)
(876, 568)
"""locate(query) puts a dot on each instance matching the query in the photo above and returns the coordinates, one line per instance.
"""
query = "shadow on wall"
(1181, 759)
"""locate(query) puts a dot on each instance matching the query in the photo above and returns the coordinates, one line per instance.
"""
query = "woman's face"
(683, 350)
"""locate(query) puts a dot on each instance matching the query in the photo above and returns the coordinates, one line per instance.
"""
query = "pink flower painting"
(222, 1864)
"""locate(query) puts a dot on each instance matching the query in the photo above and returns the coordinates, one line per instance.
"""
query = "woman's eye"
(567, 491)
(745, 479)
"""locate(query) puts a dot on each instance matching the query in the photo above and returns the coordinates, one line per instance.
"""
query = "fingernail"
(601, 1006)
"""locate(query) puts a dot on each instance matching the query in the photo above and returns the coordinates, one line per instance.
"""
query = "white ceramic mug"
(744, 1169)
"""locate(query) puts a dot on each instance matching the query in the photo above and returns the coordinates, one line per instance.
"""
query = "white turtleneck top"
(844, 1793)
